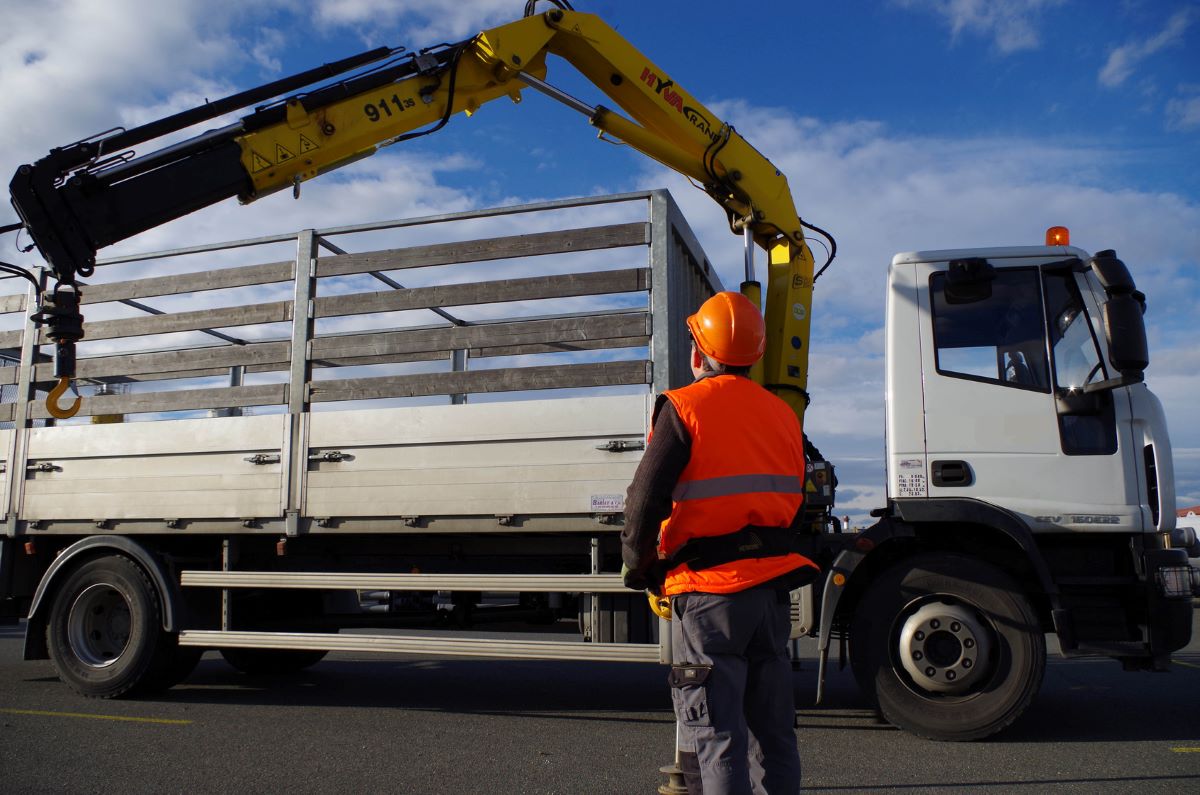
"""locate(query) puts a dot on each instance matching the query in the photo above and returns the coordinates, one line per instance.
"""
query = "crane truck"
(1029, 479)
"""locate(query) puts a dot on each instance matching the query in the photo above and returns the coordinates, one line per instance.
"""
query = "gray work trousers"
(731, 684)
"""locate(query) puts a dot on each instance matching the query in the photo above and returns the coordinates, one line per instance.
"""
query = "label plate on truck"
(608, 503)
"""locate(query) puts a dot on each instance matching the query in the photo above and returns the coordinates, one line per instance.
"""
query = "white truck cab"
(1002, 388)
(1030, 491)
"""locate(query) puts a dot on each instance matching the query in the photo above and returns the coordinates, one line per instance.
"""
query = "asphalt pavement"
(368, 723)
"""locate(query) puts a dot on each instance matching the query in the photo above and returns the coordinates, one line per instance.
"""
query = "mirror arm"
(1114, 383)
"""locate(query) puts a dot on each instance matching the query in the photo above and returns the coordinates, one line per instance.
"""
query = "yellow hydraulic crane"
(96, 192)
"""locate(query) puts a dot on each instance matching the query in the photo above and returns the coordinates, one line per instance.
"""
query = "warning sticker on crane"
(258, 162)
(306, 145)
(282, 155)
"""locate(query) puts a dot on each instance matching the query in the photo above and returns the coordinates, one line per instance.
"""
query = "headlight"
(1175, 581)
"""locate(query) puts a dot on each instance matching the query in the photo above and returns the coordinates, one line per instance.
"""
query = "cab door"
(1006, 354)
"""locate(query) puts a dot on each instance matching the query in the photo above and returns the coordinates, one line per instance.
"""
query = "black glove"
(650, 580)
(635, 580)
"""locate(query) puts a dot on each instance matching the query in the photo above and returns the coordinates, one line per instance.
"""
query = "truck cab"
(1004, 387)
(1030, 490)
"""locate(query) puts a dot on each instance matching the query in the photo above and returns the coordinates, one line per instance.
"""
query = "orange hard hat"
(729, 329)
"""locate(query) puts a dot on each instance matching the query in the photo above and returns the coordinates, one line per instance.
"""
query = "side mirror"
(1113, 275)
(1125, 331)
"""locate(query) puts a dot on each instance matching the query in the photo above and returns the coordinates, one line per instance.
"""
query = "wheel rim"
(944, 647)
(98, 625)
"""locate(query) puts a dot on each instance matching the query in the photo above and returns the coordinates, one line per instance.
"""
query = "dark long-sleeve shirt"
(648, 500)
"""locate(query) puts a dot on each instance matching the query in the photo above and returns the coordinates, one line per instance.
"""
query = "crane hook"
(56, 411)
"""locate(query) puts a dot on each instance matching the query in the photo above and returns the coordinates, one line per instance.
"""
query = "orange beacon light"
(1058, 236)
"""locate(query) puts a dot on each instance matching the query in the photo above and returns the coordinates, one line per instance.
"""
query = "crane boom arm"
(91, 194)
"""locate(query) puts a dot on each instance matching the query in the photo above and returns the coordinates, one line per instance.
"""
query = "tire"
(276, 611)
(268, 662)
(180, 662)
(105, 631)
(948, 647)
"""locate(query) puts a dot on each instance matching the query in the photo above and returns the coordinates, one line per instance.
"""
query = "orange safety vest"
(747, 467)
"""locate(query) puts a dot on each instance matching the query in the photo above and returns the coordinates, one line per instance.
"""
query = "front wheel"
(948, 646)
(105, 630)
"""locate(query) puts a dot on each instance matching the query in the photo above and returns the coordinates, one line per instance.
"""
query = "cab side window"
(997, 334)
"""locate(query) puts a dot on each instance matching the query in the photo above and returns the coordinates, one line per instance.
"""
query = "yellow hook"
(52, 399)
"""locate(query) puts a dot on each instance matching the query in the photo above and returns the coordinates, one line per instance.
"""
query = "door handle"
(952, 474)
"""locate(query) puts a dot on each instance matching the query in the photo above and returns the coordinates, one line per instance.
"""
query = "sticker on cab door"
(910, 484)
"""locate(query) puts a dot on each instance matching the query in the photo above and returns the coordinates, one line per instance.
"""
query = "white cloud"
(1011, 24)
(1124, 59)
(425, 21)
(70, 68)
(266, 49)
(1183, 113)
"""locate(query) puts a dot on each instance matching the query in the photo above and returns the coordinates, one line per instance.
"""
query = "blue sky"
(901, 125)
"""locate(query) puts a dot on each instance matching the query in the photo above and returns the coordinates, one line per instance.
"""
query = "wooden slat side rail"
(217, 358)
(528, 349)
(504, 290)
(507, 380)
(588, 239)
(12, 303)
(200, 281)
(557, 347)
(560, 331)
(180, 400)
(225, 317)
(553, 335)
(537, 244)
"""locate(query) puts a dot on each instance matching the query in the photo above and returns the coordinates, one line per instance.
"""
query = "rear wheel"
(266, 662)
(181, 661)
(277, 611)
(948, 646)
(105, 630)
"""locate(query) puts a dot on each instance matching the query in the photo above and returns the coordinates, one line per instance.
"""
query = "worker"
(706, 524)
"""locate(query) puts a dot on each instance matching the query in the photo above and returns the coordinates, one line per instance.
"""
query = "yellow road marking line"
(46, 713)
(1189, 665)
(1186, 750)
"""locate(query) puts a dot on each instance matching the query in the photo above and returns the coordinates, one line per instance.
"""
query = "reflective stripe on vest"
(731, 485)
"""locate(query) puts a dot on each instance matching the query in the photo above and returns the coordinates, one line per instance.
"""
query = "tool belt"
(752, 541)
